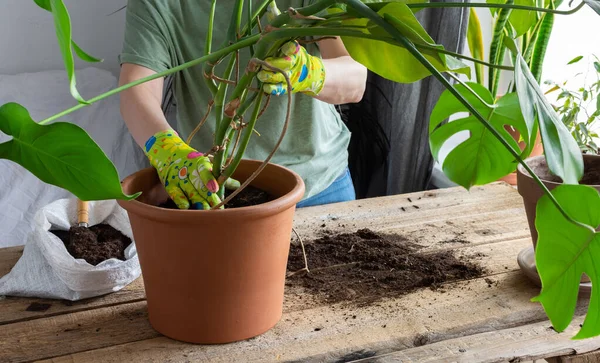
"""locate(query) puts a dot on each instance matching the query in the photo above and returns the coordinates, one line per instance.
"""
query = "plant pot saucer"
(526, 261)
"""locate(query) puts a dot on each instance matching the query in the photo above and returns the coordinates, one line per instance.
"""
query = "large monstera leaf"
(481, 158)
(376, 55)
(60, 154)
(565, 251)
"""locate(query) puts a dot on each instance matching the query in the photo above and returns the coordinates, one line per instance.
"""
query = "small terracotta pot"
(538, 149)
(214, 276)
(531, 192)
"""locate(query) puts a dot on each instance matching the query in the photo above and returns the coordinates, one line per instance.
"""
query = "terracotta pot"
(214, 276)
(538, 149)
(531, 192)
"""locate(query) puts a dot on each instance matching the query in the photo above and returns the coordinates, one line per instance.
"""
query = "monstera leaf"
(376, 55)
(481, 158)
(62, 23)
(594, 4)
(60, 154)
(561, 150)
(565, 251)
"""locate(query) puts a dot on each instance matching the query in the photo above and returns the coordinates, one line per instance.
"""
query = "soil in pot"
(591, 167)
(364, 267)
(94, 244)
(249, 196)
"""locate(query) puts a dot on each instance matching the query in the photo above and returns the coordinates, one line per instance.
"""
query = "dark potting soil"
(248, 197)
(591, 170)
(94, 244)
(366, 266)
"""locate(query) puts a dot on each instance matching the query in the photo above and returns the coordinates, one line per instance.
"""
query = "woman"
(161, 34)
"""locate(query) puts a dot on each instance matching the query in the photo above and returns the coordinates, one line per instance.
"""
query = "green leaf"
(44, 4)
(60, 154)
(494, 11)
(475, 42)
(597, 66)
(83, 55)
(565, 251)
(561, 150)
(576, 59)
(62, 23)
(594, 4)
(523, 20)
(481, 158)
(375, 54)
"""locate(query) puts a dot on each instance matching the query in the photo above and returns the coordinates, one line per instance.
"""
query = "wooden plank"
(8, 258)
(342, 333)
(488, 215)
(591, 357)
(117, 321)
(524, 343)
(47, 337)
(15, 309)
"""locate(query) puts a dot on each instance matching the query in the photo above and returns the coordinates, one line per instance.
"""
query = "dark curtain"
(389, 148)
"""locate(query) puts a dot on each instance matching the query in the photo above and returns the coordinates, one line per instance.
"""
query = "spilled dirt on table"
(365, 266)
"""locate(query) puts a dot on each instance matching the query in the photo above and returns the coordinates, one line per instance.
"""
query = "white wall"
(28, 41)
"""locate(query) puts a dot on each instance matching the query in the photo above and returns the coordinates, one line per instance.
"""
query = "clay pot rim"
(521, 170)
(273, 207)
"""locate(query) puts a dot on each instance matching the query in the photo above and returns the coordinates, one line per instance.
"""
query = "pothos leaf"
(481, 158)
(60, 154)
(565, 251)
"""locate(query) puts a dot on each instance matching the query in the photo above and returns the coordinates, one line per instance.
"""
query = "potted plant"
(375, 33)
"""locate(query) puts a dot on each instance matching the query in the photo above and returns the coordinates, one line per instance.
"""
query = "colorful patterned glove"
(185, 172)
(306, 72)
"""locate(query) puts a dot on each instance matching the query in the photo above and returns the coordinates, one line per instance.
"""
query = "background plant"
(392, 29)
(579, 107)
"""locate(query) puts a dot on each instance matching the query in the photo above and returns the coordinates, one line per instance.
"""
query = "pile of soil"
(366, 266)
(95, 244)
(249, 196)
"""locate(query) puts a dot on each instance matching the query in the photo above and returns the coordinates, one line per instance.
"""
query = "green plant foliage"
(521, 20)
(481, 158)
(594, 4)
(579, 107)
(475, 41)
(565, 251)
(60, 154)
(561, 150)
(62, 23)
(376, 55)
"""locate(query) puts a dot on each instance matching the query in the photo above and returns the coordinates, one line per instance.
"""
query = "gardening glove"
(306, 72)
(185, 172)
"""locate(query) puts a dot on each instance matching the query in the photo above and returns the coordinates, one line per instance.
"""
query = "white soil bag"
(47, 269)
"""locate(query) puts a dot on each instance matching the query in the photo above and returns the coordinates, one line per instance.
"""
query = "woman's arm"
(345, 78)
(141, 105)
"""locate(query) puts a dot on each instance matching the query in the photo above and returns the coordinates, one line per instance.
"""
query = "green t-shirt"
(161, 34)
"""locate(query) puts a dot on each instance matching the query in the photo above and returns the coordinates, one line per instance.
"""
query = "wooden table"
(487, 319)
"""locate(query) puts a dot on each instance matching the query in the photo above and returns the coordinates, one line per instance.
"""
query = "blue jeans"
(341, 190)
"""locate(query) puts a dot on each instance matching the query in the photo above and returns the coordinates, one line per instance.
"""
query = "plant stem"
(366, 11)
(283, 132)
(320, 31)
(245, 140)
(208, 49)
(207, 58)
(494, 6)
